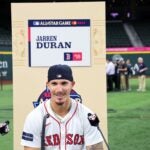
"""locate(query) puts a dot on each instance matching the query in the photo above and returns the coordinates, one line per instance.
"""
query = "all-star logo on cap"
(58, 75)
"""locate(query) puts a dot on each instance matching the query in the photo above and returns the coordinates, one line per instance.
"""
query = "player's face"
(60, 90)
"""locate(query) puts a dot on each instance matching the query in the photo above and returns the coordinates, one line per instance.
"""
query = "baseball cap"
(60, 72)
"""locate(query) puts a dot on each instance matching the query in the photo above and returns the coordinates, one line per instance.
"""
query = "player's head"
(60, 82)
(140, 60)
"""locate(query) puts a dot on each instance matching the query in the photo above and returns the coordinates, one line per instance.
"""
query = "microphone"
(94, 121)
(4, 129)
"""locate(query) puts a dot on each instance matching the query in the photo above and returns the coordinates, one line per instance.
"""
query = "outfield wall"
(5, 64)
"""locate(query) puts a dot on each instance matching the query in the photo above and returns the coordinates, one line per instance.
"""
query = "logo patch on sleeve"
(27, 136)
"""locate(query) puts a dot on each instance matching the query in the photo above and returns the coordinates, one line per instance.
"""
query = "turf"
(129, 119)
(6, 113)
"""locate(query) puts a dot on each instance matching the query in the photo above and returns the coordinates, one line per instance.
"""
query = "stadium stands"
(143, 30)
(5, 37)
(116, 35)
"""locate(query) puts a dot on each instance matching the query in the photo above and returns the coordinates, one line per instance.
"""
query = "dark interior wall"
(5, 9)
(5, 14)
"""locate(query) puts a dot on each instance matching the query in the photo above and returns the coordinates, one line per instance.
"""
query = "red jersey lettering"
(81, 140)
(48, 140)
(56, 139)
(69, 139)
(76, 139)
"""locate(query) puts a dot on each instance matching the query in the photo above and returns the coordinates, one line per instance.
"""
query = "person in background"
(141, 69)
(110, 71)
(123, 70)
(117, 76)
(128, 74)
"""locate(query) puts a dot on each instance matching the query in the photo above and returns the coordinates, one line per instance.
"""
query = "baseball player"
(67, 126)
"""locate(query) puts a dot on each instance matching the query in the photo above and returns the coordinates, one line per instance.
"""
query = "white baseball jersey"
(73, 132)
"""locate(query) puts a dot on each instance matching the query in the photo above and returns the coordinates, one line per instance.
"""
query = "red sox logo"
(71, 139)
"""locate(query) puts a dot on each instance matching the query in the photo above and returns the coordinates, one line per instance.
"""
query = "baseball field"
(6, 113)
(128, 118)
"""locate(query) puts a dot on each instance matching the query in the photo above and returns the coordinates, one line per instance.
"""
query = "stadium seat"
(116, 35)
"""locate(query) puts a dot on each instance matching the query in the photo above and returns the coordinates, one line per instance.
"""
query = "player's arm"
(30, 148)
(98, 146)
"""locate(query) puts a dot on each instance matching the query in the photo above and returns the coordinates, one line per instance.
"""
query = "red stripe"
(68, 122)
(55, 120)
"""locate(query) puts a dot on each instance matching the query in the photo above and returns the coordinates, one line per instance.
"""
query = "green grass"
(129, 119)
(6, 113)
